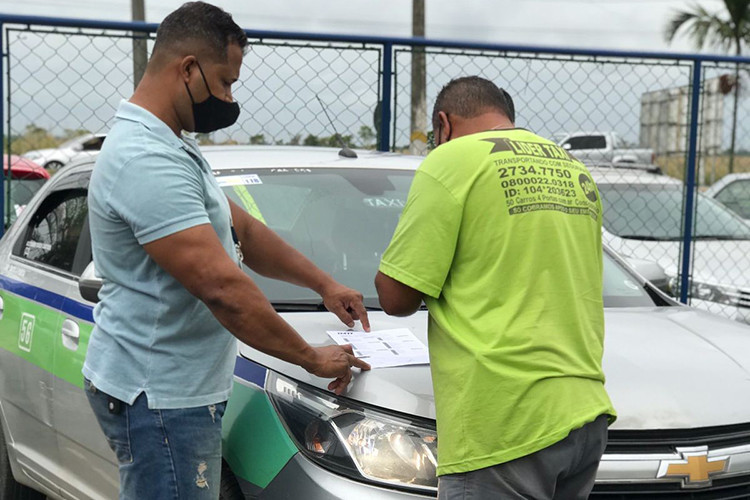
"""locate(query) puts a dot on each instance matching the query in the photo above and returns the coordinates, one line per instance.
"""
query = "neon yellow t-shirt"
(502, 233)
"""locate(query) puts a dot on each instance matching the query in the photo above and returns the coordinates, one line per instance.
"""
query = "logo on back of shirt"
(588, 187)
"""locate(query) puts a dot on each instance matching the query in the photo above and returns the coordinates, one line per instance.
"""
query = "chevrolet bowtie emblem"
(695, 467)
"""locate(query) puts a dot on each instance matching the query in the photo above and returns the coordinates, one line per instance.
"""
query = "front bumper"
(301, 478)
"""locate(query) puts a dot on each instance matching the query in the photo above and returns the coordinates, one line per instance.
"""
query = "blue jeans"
(162, 454)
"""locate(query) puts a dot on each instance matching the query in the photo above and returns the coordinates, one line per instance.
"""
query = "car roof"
(23, 168)
(233, 157)
(238, 157)
(724, 181)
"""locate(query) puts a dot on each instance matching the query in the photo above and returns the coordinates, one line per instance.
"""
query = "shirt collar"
(132, 112)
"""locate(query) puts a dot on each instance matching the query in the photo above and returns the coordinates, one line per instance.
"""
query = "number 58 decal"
(26, 332)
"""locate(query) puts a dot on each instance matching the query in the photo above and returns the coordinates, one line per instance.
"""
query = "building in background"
(665, 115)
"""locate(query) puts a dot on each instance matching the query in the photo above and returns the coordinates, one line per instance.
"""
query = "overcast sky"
(65, 83)
(614, 24)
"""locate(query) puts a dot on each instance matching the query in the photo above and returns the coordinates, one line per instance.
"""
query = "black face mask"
(213, 113)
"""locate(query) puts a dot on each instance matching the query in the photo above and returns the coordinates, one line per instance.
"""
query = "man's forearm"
(241, 308)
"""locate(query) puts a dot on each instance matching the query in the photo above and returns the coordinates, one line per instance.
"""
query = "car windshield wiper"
(645, 237)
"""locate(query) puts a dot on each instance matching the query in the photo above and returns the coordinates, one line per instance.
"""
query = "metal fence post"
(690, 183)
(385, 108)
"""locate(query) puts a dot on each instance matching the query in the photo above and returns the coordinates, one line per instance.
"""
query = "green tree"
(72, 133)
(33, 137)
(366, 136)
(311, 140)
(728, 30)
(336, 140)
(295, 140)
(258, 139)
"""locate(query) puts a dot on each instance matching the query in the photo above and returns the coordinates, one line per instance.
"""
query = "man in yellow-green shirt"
(501, 238)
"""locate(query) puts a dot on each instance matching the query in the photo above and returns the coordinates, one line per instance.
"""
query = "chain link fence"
(65, 82)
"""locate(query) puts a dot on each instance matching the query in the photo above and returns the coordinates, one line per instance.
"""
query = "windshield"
(343, 219)
(654, 212)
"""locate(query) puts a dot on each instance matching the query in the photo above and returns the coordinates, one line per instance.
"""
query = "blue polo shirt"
(151, 334)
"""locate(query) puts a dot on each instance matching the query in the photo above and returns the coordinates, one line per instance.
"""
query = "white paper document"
(384, 348)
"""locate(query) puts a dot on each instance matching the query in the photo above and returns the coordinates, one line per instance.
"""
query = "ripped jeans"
(162, 454)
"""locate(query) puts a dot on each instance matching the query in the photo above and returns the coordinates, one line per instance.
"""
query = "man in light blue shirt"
(166, 242)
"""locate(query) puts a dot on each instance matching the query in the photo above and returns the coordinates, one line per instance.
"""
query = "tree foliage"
(729, 30)
(726, 31)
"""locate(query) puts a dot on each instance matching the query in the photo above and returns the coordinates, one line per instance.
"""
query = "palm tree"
(706, 28)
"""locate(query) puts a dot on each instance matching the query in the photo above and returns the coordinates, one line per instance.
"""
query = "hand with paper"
(384, 348)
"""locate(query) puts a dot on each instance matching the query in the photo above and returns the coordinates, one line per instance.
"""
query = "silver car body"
(603, 147)
(676, 375)
(78, 148)
(733, 190)
(720, 266)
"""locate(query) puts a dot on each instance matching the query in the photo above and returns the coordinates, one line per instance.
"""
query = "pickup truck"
(603, 147)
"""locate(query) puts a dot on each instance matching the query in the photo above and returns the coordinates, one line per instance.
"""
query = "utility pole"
(140, 51)
(418, 136)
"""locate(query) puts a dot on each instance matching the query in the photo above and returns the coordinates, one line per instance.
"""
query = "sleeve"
(421, 251)
(157, 196)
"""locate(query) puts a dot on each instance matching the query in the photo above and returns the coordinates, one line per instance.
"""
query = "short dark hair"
(206, 24)
(470, 96)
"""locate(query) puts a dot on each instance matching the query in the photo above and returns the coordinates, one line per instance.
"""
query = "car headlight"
(710, 292)
(31, 155)
(354, 440)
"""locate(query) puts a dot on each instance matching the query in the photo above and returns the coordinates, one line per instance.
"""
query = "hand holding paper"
(384, 348)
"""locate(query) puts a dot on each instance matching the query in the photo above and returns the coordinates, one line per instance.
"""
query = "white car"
(733, 191)
(643, 220)
(78, 148)
(677, 376)
(604, 146)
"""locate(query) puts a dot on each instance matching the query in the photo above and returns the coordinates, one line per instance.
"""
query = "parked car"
(84, 146)
(643, 220)
(677, 375)
(25, 179)
(733, 190)
(604, 146)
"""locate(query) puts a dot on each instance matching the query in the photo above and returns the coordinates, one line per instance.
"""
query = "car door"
(37, 275)
(88, 466)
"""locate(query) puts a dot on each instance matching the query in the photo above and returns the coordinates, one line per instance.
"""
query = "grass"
(714, 166)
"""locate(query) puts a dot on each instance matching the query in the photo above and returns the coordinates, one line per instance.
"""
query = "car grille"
(659, 441)
(721, 489)
(632, 459)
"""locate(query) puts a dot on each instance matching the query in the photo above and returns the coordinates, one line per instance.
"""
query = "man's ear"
(445, 127)
(186, 65)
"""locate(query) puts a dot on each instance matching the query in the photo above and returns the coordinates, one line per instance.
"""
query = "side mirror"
(566, 146)
(89, 283)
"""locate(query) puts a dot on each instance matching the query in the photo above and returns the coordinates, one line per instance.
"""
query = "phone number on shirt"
(532, 170)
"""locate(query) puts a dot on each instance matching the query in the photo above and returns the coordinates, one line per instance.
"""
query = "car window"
(736, 197)
(19, 192)
(621, 289)
(94, 144)
(587, 142)
(53, 232)
(343, 219)
(654, 212)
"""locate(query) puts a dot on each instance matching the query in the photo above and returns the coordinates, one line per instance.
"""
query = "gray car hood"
(668, 367)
